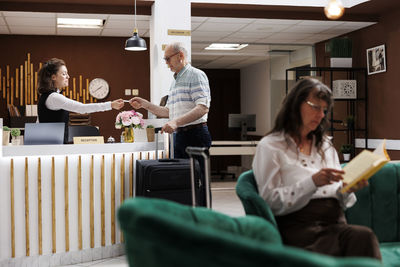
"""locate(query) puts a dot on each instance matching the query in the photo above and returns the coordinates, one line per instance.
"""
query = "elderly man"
(188, 102)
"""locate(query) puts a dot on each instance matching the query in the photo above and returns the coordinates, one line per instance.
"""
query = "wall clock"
(99, 88)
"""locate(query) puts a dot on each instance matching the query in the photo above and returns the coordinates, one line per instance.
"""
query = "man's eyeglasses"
(317, 108)
(167, 59)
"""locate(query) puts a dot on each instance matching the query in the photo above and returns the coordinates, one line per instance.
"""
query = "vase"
(15, 141)
(150, 134)
(346, 156)
(6, 138)
(128, 137)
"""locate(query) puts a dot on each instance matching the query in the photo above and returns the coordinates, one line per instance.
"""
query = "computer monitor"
(245, 122)
(49, 133)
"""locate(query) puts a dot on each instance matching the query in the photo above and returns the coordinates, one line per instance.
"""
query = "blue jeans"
(197, 137)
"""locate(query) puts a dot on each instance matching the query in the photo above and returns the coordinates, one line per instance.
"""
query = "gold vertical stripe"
(80, 85)
(35, 86)
(16, 84)
(131, 176)
(26, 207)
(31, 84)
(39, 180)
(8, 84)
(21, 87)
(87, 89)
(122, 193)
(103, 220)
(113, 200)
(26, 83)
(74, 87)
(91, 203)
(80, 203)
(53, 204)
(66, 204)
(12, 208)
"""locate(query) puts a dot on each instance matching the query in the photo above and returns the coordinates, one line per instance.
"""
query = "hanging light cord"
(135, 17)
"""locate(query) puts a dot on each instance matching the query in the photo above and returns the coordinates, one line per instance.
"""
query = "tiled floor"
(224, 200)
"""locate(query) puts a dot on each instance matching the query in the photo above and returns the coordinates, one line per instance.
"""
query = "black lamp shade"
(135, 43)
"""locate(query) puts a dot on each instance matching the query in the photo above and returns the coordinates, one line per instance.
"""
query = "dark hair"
(289, 118)
(50, 68)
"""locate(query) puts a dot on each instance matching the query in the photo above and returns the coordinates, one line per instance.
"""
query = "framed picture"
(376, 59)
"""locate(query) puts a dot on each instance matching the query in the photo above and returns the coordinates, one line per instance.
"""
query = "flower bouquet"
(129, 120)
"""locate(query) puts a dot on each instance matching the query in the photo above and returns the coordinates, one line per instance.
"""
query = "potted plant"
(346, 150)
(341, 52)
(150, 133)
(15, 133)
(6, 135)
(350, 122)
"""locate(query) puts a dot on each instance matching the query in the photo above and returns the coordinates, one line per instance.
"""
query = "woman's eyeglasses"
(317, 108)
(167, 59)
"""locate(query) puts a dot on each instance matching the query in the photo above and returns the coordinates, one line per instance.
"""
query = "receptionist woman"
(55, 107)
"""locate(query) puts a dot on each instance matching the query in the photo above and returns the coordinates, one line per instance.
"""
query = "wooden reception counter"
(59, 202)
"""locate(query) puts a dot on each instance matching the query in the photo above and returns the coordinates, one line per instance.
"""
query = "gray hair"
(178, 47)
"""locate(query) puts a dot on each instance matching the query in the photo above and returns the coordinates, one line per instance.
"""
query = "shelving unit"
(343, 107)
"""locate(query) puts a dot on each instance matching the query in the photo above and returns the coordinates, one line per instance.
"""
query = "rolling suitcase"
(179, 180)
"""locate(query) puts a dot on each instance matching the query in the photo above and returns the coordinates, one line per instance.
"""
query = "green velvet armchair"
(378, 207)
(160, 233)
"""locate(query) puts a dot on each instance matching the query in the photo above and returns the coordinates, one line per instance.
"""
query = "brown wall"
(383, 88)
(90, 57)
(225, 99)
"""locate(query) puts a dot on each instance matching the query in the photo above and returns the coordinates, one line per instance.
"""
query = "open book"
(364, 165)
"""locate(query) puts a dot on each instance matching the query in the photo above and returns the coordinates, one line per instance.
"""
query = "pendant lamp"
(334, 9)
(135, 43)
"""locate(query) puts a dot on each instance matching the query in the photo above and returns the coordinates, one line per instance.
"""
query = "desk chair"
(81, 130)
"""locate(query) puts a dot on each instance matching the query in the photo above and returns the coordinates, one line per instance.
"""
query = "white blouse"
(56, 101)
(284, 174)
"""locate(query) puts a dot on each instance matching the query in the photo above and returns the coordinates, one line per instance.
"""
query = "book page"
(360, 165)
(364, 165)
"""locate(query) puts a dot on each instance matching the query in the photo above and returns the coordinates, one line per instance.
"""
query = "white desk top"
(41, 150)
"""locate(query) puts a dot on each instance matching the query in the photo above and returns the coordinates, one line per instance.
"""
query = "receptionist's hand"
(117, 104)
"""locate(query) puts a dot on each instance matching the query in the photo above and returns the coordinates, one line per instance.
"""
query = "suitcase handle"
(168, 160)
(204, 152)
(198, 151)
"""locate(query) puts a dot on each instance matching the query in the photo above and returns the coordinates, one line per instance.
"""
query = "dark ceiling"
(369, 11)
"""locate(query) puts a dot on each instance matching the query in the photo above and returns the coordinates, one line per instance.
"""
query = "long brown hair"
(50, 68)
(289, 118)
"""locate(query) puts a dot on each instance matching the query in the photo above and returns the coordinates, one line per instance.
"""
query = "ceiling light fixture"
(334, 9)
(215, 46)
(135, 43)
(80, 23)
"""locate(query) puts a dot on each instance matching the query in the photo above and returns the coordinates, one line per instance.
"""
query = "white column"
(166, 14)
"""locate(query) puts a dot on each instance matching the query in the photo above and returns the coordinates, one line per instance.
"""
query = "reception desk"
(59, 202)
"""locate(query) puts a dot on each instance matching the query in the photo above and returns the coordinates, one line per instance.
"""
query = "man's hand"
(327, 176)
(138, 102)
(117, 104)
(169, 127)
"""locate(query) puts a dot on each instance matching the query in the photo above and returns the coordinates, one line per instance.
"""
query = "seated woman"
(55, 107)
(298, 173)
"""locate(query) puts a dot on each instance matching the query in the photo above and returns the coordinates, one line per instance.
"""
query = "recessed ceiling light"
(225, 46)
(79, 23)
